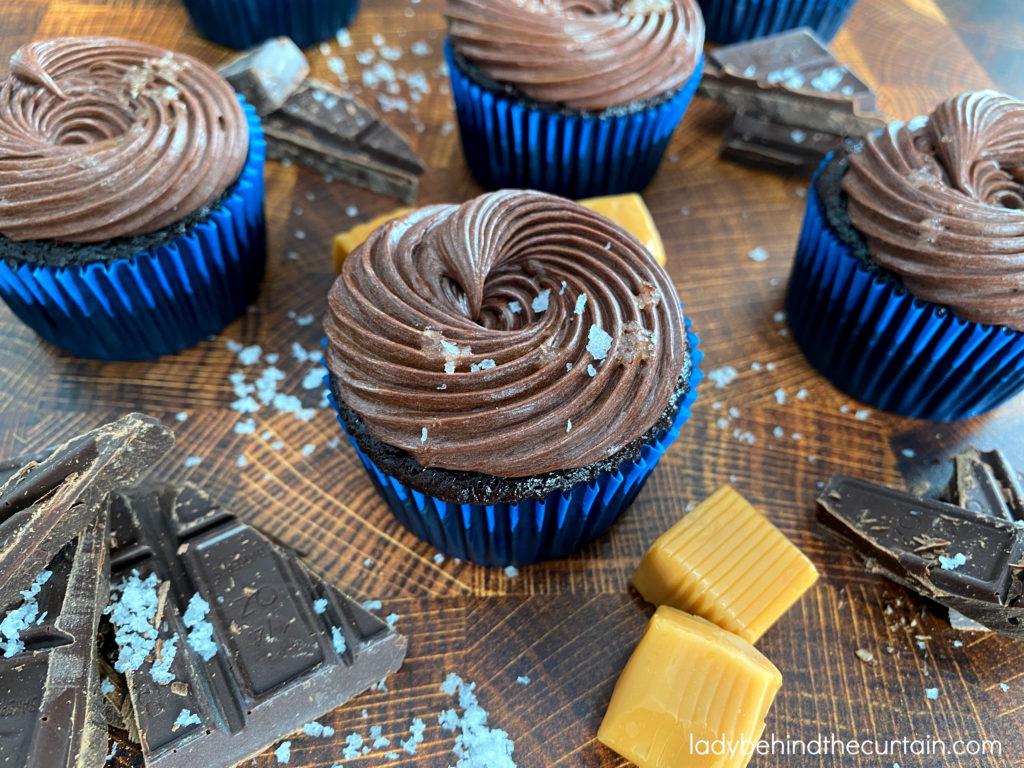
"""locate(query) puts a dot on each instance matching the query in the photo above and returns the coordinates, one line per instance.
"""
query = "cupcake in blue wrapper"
(509, 371)
(245, 23)
(730, 21)
(131, 198)
(907, 290)
(571, 102)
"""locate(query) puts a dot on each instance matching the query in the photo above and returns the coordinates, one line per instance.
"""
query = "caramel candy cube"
(347, 241)
(687, 685)
(628, 211)
(726, 562)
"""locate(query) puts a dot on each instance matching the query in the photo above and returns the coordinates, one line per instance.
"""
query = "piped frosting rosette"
(131, 197)
(106, 138)
(942, 205)
(918, 307)
(575, 98)
(516, 335)
(584, 54)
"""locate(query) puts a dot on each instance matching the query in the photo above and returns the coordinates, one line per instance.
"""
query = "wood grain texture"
(569, 625)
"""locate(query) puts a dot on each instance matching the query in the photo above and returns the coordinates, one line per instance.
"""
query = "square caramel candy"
(726, 562)
(689, 684)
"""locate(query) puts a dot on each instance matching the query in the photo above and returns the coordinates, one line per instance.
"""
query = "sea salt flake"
(952, 563)
(828, 79)
(591, 371)
(284, 752)
(780, 396)
(21, 618)
(193, 461)
(599, 342)
(511, 571)
(758, 254)
(317, 730)
(186, 718)
(523, 680)
(372, 605)
(200, 636)
(423, 435)
(161, 669)
(319, 606)
(540, 304)
(133, 607)
(515, 307)
(931, 693)
(722, 376)
(581, 302)
(250, 355)
(338, 641)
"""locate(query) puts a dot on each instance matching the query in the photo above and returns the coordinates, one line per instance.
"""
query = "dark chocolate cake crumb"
(461, 487)
(53, 253)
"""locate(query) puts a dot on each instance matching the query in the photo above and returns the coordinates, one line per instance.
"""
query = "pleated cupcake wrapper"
(244, 23)
(530, 530)
(509, 144)
(876, 342)
(155, 302)
(730, 21)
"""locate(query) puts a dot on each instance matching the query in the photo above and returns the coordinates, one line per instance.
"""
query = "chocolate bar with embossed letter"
(249, 644)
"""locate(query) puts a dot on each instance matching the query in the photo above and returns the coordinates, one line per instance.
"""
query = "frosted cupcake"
(908, 285)
(131, 197)
(509, 371)
(579, 99)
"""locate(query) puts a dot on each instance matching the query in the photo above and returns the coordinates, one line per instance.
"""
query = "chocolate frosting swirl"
(941, 205)
(103, 138)
(473, 336)
(584, 54)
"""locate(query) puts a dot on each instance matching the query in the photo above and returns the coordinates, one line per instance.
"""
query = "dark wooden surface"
(570, 625)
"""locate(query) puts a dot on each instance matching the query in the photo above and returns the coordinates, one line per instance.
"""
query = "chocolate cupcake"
(579, 99)
(908, 286)
(509, 371)
(131, 197)
(244, 23)
(731, 21)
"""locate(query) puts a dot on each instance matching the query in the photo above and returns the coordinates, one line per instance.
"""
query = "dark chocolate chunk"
(249, 644)
(45, 504)
(267, 74)
(794, 79)
(51, 711)
(969, 561)
(333, 133)
(762, 143)
(984, 482)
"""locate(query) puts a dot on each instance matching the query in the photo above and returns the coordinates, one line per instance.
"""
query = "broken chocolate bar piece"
(968, 561)
(46, 503)
(246, 644)
(792, 78)
(50, 703)
(267, 74)
(761, 143)
(336, 135)
(984, 481)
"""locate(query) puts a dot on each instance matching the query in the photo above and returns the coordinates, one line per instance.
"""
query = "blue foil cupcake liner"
(155, 302)
(244, 23)
(531, 530)
(509, 144)
(876, 342)
(731, 21)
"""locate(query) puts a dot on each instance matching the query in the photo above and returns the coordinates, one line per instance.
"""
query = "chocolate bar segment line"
(286, 647)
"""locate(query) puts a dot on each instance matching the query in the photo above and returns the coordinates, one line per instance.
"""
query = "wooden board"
(569, 625)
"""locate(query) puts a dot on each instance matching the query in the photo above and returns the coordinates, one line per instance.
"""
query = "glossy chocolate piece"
(45, 504)
(969, 561)
(267, 74)
(762, 143)
(276, 665)
(51, 712)
(984, 481)
(334, 134)
(794, 79)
